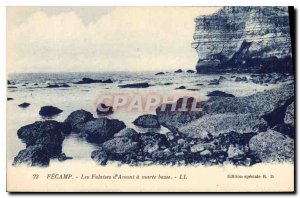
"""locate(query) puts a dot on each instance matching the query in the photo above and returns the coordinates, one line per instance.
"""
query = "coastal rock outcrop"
(244, 39)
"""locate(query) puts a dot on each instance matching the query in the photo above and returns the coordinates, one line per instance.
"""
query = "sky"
(96, 39)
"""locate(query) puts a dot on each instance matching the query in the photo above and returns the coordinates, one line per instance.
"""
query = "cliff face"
(244, 39)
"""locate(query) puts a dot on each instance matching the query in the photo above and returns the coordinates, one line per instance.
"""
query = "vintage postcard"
(150, 99)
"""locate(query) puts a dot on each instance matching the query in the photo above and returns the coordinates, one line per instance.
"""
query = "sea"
(31, 88)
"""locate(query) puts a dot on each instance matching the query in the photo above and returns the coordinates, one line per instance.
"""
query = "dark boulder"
(160, 73)
(35, 155)
(49, 111)
(218, 93)
(107, 81)
(102, 109)
(101, 129)
(178, 71)
(88, 81)
(190, 71)
(77, 119)
(63, 85)
(12, 87)
(135, 85)
(48, 133)
(8, 82)
(241, 79)
(8, 99)
(181, 87)
(272, 146)
(147, 121)
(24, 105)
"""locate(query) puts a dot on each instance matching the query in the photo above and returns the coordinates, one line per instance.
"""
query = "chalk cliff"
(244, 39)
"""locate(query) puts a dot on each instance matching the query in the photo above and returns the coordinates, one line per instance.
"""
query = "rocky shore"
(229, 130)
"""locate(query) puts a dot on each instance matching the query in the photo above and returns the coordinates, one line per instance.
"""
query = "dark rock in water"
(12, 87)
(77, 119)
(193, 89)
(135, 85)
(49, 111)
(8, 99)
(102, 109)
(181, 87)
(190, 71)
(289, 117)
(101, 129)
(259, 103)
(8, 82)
(272, 146)
(24, 105)
(214, 82)
(216, 124)
(174, 118)
(147, 121)
(127, 132)
(62, 157)
(227, 42)
(100, 157)
(57, 85)
(107, 81)
(88, 81)
(35, 155)
(240, 79)
(285, 129)
(218, 93)
(199, 84)
(178, 71)
(168, 84)
(119, 145)
(35, 84)
(160, 73)
(48, 133)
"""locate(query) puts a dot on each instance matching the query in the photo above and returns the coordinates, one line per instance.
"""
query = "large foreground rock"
(101, 129)
(50, 134)
(77, 118)
(147, 121)
(120, 145)
(33, 156)
(223, 123)
(49, 111)
(272, 146)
